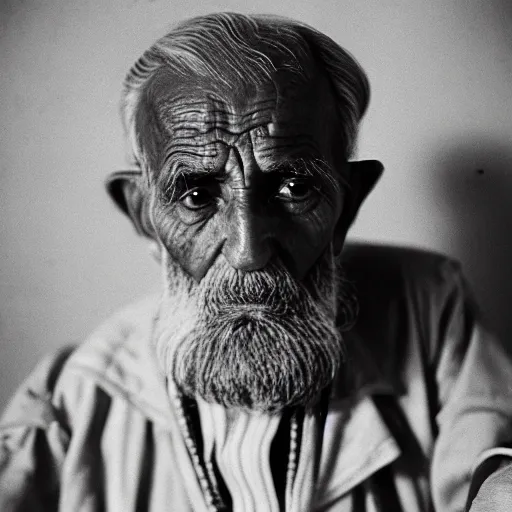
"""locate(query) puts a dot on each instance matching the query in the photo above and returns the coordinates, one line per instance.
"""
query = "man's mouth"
(239, 312)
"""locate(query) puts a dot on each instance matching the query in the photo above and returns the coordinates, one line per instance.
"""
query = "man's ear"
(361, 177)
(126, 190)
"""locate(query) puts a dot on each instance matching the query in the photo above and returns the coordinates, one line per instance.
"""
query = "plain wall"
(440, 120)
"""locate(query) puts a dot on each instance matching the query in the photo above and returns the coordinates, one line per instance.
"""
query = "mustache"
(270, 291)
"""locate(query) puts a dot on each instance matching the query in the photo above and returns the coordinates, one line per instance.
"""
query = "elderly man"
(250, 383)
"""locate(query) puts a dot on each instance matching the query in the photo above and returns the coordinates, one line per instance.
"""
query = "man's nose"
(248, 237)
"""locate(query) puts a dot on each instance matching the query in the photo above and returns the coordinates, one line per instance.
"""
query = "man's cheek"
(193, 247)
(306, 239)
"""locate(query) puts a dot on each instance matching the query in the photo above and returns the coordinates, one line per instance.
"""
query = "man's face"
(246, 196)
(252, 174)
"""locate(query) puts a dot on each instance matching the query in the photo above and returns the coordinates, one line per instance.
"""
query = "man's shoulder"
(116, 361)
(406, 297)
(403, 294)
(112, 352)
(114, 355)
(391, 269)
(127, 330)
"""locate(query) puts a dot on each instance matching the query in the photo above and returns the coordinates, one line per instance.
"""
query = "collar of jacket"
(357, 441)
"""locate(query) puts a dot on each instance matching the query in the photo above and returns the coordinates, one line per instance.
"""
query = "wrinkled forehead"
(291, 108)
(287, 99)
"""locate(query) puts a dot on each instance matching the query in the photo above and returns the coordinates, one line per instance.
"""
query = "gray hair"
(235, 49)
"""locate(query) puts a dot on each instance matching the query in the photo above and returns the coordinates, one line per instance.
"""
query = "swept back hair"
(235, 49)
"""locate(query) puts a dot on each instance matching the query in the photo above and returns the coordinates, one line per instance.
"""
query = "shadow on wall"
(474, 180)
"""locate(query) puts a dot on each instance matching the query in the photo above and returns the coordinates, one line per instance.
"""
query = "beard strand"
(254, 340)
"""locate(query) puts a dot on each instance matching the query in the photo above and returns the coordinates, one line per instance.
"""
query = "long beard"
(255, 340)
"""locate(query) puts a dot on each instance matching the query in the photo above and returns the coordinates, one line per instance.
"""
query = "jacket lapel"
(357, 443)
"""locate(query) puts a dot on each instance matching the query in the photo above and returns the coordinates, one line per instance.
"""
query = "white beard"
(252, 340)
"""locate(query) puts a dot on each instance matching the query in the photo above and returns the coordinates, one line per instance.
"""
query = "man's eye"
(197, 198)
(296, 190)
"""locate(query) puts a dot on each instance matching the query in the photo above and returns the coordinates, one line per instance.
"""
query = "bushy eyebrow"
(168, 182)
(307, 167)
(300, 167)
